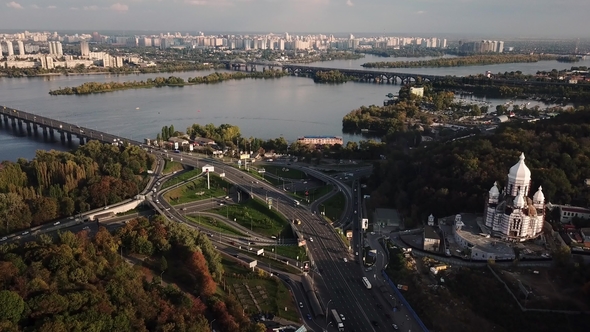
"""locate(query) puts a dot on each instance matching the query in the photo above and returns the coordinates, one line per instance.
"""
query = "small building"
(567, 213)
(203, 141)
(386, 217)
(321, 140)
(180, 141)
(585, 232)
(430, 239)
(500, 119)
(417, 91)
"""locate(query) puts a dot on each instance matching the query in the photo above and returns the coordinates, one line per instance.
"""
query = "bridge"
(303, 70)
(30, 124)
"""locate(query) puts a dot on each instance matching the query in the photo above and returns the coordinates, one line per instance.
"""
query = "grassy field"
(182, 177)
(285, 172)
(254, 214)
(171, 166)
(288, 251)
(334, 207)
(271, 294)
(267, 261)
(192, 190)
(214, 224)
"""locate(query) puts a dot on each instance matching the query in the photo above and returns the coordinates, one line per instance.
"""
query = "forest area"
(58, 184)
(469, 60)
(76, 282)
(448, 178)
(158, 82)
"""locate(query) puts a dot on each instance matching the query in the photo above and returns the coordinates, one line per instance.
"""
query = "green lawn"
(180, 178)
(171, 166)
(288, 251)
(197, 190)
(334, 207)
(285, 172)
(214, 224)
(275, 265)
(277, 296)
(256, 215)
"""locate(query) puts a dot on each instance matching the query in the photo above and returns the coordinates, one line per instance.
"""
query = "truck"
(337, 320)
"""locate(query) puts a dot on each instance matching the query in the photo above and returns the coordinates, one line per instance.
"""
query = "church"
(511, 215)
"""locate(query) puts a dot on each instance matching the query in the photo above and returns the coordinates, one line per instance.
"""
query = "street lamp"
(212, 324)
(327, 310)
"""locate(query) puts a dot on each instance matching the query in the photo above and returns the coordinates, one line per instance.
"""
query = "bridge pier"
(51, 134)
(29, 130)
(35, 129)
(69, 136)
(5, 118)
(62, 136)
(81, 140)
(13, 121)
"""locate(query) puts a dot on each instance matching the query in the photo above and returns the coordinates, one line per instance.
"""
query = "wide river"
(288, 107)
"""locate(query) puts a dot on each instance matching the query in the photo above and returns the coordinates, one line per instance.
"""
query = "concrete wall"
(119, 209)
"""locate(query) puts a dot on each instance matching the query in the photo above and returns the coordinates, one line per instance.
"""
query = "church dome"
(539, 197)
(495, 192)
(519, 200)
(520, 171)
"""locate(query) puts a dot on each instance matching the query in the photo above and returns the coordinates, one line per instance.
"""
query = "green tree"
(11, 306)
(163, 264)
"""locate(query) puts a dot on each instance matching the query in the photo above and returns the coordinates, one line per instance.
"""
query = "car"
(342, 317)
(300, 304)
(345, 260)
(220, 204)
(226, 197)
(25, 233)
(4, 239)
(369, 269)
(310, 239)
(375, 323)
(71, 218)
(309, 316)
(394, 327)
(56, 223)
(86, 227)
(106, 208)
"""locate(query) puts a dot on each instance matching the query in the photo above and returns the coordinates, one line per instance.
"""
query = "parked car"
(309, 316)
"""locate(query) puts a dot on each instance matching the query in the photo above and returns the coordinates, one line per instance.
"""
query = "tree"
(198, 268)
(163, 264)
(11, 306)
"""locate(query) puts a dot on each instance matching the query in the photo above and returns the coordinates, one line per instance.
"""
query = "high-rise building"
(500, 48)
(55, 48)
(84, 49)
(21, 48)
(9, 49)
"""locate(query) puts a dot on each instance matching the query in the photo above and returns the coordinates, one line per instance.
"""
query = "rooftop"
(430, 233)
(472, 232)
(304, 137)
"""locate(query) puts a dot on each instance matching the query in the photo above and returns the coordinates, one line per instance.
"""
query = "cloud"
(197, 2)
(35, 7)
(119, 7)
(349, 3)
(212, 3)
(14, 5)
(94, 7)
(51, 7)
(420, 12)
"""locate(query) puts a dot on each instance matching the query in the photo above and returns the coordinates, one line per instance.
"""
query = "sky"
(510, 18)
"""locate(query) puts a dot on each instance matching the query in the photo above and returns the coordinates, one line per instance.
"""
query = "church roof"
(495, 191)
(519, 200)
(520, 171)
(539, 196)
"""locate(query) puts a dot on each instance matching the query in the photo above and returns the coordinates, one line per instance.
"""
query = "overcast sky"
(526, 18)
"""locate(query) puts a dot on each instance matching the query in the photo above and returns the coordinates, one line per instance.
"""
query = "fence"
(405, 303)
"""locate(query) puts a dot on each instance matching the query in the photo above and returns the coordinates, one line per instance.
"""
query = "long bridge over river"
(26, 123)
(377, 76)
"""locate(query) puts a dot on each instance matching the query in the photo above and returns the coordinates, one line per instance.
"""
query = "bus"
(366, 283)
(337, 320)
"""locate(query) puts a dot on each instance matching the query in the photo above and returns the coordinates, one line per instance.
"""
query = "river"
(288, 107)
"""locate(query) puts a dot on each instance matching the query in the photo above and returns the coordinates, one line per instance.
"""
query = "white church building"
(511, 214)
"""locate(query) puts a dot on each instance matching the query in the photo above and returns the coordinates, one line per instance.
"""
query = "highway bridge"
(26, 123)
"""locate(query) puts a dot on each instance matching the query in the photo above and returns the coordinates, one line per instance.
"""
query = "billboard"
(260, 252)
(306, 266)
(207, 168)
(364, 223)
(191, 147)
(175, 145)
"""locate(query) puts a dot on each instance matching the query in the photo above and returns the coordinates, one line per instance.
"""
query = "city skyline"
(524, 18)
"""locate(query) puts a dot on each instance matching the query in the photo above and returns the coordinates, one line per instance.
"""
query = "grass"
(276, 265)
(191, 191)
(285, 172)
(334, 207)
(288, 251)
(314, 194)
(182, 177)
(171, 166)
(278, 296)
(256, 215)
(214, 224)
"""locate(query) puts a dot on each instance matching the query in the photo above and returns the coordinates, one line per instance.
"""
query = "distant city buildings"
(484, 46)
(320, 140)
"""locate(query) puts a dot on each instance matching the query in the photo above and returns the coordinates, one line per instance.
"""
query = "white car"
(345, 260)
(342, 317)
(25, 233)
(86, 227)
(106, 208)
(310, 239)
(300, 304)
(4, 239)
(56, 223)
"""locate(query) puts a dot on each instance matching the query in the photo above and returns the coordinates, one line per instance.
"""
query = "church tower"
(519, 179)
